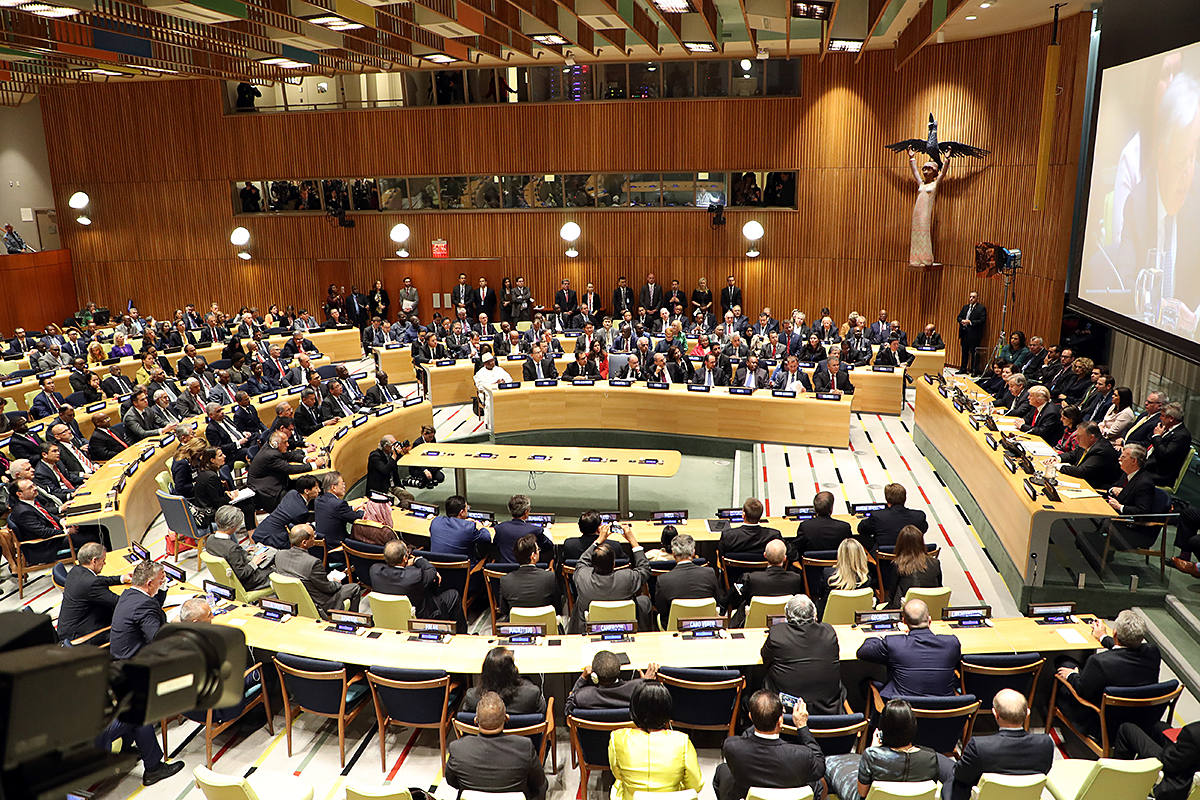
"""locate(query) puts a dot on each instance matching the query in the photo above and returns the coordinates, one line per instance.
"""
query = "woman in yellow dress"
(650, 757)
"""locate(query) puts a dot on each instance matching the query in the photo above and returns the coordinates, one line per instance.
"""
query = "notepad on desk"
(1078, 494)
(1072, 636)
(242, 494)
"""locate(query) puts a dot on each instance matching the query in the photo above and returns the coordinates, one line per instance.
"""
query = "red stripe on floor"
(233, 740)
(767, 507)
(30, 600)
(1054, 737)
(863, 472)
(945, 535)
(904, 462)
(890, 439)
(764, 473)
(974, 588)
(403, 754)
(924, 496)
(811, 465)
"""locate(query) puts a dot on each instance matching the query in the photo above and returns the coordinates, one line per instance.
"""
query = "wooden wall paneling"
(40, 289)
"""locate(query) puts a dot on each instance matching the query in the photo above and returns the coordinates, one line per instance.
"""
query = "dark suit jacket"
(25, 445)
(573, 371)
(381, 471)
(978, 317)
(529, 372)
(270, 471)
(273, 531)
(819, 533)
(45, 477)
(251, 578)
(104, 444)
(567, 300)
(686, 581)
(769, 763)
(87, 603)
(651, 297)
(885, 357)
(730, 296)
(1142, 429)
(1179, 762)
(882, 527)
(412, 581)
(1097, 465)
(498, 763)
(622, 299)
(780, 378)
(42, 407)
(804, 660)
(1167, 454)
(761, 378)
(619, 585)
(1116, 666)
(136, 620)
(919, 663)
(330, 408)
(747, 539)
(529, 586)
(720, 377)
(1008, 752)
(298, 563)
(308, 419)
(1136, 496)
(375, 396)
(247, 420)
(823, 381)
(506, 534)
(114, 386)
(486, 305)
(934, 341)
(332, 516)
(588, 695)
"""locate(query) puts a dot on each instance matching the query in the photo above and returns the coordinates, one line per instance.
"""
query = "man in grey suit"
(139, 422)
(595, 579)
(296, 562)
(493, 761)
(190, 403)
(253, 573)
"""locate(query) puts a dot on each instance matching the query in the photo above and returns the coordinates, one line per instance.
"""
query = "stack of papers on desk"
(242, 494)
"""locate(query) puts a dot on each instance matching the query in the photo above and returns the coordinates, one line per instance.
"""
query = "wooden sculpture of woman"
(929, 177)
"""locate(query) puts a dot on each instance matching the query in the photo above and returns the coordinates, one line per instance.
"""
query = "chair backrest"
(178, 515)
(163, 479)
(1114, 777)
(763, 607)
(898, 790)
(689, 609)
(360, 556)
(58, 575)
(812, 568)
(682, 794)
(354, 792)
(453, 569)
(223, 787)
(32, 393)
(291, 590)
(762, 793)
(312, 683)
(391, 611)
(534, 726)
(986, 674)
(411, 696)
(223, 573)
(1144, 706)
(935, 599)
(542, 615)
(707, 699)
(842, 603)
(590, 731)
(837, 734)
(943, 722)
(611, 611)
(1183, 468)
(994, 786)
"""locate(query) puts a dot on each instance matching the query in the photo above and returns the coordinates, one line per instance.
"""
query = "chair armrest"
(250, 670)
(1075, 694)
(87, 637)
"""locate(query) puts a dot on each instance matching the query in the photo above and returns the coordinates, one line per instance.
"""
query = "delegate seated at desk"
(596, 578)
(881, 528)
(456, 534)
(919, 662)
(418, 580)
(291, 510)
(88, 602)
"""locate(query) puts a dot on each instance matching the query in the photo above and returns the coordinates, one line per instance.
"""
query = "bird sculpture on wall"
(935, 149)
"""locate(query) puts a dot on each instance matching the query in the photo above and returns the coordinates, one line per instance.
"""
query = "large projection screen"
(1137, 246)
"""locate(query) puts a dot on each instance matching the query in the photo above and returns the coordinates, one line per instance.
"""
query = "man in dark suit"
(1132, 495)
(1170, 446)
(492, 761)
(775, 581)
(601, 684)
(596, 579)
(575, 546)
(297, 562)
(882, 527)
(382, 474)
(191, 400)
(46, 402)
(460, 295)
(538, 366)
(116, 383)
(893, 354)
(1018, 393)
(686, 580)
(919, 662)
(566, 298)
(1101, 400)
(760, 758)
(581, 367)
(749, 537)
(750, 374)
(507, 533)
(972, 320)
(1126, 660)
(291, 510)
(309, 415)
(253, 573)
(1011, 751)
(22, 443)
(622, 299)
(275, 370)
(381, 393)
(245, 417)
(1179, 758)
(104, 442)
(802, 659)
(651, 296)
(591, 306)
(528, 586)
(483, 300)
(789, 377)
(1143, 427)
(1094, 458)
(272, 467)
(88, 603)
(51, 474)
(34, 521)
(822, 532)
(929, 338)
(731, 295)
(832, 378)
(1037, 359)
(331, 513)
(74, 459)
(337, 405)
(139, 422)
(632, 370)
(417, 579)
(709, 374)
(1044, 418)
(879, 330)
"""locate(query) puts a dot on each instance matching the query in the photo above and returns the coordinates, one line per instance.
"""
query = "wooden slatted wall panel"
(157, 159)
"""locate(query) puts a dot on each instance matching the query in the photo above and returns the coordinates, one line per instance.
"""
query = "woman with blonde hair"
(186, 463)
(95, 353)
(852, 571)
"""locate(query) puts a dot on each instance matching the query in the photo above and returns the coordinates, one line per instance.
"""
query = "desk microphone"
(1034, 557)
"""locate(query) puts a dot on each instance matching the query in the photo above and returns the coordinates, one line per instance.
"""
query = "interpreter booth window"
(532, 191)
(679, 79)
(781, 78)
(336, 193)
(679, 189)
(612, 82)
(292, 195)
(393, 194)
(645, 81)
(249, 197)
(712, 78)
(483, 87)
(612, 190)
(645, 189)
(747, 78)
(364, 194)
(454, 191)
(579, 191)
(450, 87)
(711, 189)
(481, 192)
(422, 194)
(418, 88)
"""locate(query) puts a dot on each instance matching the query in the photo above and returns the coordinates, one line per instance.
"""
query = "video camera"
(55, 701)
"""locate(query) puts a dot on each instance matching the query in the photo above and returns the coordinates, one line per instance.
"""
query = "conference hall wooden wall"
(157, 158)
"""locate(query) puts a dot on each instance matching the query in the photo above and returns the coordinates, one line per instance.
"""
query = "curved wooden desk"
(396, 361)
(717, 414)
(454, 384)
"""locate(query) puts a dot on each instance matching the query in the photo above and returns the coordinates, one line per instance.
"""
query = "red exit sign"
(441, 249)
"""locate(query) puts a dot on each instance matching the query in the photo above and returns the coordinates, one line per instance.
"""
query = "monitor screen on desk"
(540, 519)
(219, 591)
(734, 515)
(702, 627)
(174, 572)
(140, 551)
(611, 631)
(351, 618)
(423, 509)
(481, 516)
(669, 517)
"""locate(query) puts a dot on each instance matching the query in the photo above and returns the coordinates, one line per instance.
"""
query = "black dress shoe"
(161, 772)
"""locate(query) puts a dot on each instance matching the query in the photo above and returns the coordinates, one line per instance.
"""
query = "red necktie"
(53, 400)
(117, 438)
(1035, 417)
(63, 478)
(47, 515)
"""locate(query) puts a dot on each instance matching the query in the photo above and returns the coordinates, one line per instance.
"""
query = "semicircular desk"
(127, 514)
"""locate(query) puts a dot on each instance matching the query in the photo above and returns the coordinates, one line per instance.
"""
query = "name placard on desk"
(657, 385)
(807, 364)
(94, 407)
(619, 382)
(959, 407)
(783, 392)
(828, 396)
(740, 390)
(516, 357)
(583, 382)
(413, 401)
(883, 368)
(296, 389)
(927, 349)
(268, 397)
(384, 410)
(698, 387)
(991, 440)
(1012, 465)
(929, 379)
(11, 381)
(393, 346)
(546, 382)
(1030, 489)
(444, 362)
(508, 385)
(942, 391)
